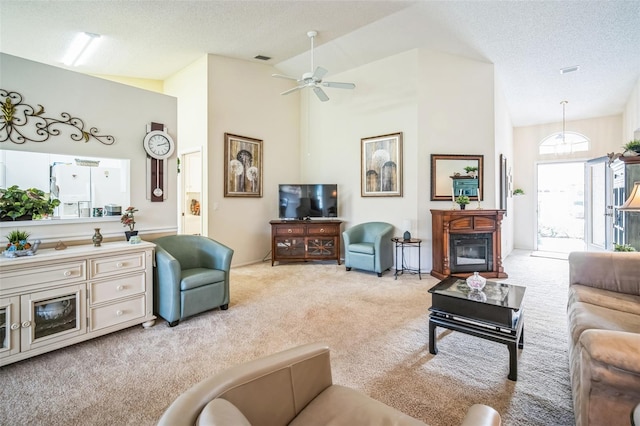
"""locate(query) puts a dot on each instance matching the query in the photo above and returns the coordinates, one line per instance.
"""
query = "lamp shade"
(633, 202)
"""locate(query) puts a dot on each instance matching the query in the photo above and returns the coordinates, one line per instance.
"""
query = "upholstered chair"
(191, 276)
(368, 246)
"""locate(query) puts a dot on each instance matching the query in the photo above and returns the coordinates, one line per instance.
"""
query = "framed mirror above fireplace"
(449, 176)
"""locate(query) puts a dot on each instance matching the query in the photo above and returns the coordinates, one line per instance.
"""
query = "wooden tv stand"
(303, 240)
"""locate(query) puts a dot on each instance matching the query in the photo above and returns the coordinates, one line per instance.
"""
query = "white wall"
(189, 85)
(243, 99)
(114, 109)
(605, 134)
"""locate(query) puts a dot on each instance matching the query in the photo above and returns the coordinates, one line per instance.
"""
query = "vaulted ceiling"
(527, 41)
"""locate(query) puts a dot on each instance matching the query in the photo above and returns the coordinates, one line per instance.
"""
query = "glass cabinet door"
(9, 326)
(52, 315)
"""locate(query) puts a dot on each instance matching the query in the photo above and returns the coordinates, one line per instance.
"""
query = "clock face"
(158, 144)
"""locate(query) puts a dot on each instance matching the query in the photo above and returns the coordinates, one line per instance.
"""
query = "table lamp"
(633, 202)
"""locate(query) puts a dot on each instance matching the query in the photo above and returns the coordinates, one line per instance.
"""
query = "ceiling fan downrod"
(312, 34)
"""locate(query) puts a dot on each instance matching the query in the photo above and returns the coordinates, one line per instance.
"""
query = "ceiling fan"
(313, 78)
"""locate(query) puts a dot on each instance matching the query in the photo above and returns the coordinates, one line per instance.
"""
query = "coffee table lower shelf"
(512, 337)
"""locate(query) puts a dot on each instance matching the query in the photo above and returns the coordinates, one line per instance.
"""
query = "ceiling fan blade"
(319, 73)
(286, 92)
(284, 76)
(320, 94)
(338, 85)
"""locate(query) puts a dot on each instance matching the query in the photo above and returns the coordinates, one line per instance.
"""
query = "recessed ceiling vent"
(262, 57)
(569, 69)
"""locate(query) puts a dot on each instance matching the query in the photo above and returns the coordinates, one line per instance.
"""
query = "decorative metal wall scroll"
(20, 122)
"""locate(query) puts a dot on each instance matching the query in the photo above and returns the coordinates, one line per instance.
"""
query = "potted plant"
(633, 145)
(471, 170)
(518, 191)
(25, 204)
(623, 247)
(462, 200)
(19, 245)
(128, 219)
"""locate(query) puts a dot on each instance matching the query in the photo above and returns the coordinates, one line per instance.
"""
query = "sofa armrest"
(482, 415)
(276, 387)
(617, 349)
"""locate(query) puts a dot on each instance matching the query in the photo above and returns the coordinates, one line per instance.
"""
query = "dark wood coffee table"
(495, 313)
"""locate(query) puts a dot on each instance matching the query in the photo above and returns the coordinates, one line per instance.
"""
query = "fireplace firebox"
(471, 253)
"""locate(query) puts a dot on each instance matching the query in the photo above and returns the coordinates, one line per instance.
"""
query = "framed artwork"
(504, 183)
(242, 166)
(381, 166)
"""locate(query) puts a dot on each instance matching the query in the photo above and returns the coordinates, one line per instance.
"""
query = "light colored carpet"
(377, 329)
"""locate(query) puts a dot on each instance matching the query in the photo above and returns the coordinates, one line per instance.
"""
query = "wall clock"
(159, 146)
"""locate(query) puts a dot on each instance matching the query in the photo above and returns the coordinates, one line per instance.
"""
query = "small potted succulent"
(128, 219)
(462, 201)
(19, 245)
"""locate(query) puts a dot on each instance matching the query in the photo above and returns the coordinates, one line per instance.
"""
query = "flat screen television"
(304, 201)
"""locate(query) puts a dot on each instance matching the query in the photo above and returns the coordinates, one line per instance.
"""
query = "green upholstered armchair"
(192, 276)
(368, 246)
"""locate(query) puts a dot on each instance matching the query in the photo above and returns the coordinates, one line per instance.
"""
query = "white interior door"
(598, 209)
(192, 206)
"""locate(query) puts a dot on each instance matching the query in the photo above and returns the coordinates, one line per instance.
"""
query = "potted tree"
(25, 204)
(462, 201)
(128, 219)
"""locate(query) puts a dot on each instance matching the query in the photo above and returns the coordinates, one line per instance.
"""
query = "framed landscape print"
(242, 166)
(381, 166)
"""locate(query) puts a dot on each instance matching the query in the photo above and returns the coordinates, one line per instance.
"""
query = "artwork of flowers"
(243, 166)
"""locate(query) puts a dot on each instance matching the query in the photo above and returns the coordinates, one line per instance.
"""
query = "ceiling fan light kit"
(313, 78)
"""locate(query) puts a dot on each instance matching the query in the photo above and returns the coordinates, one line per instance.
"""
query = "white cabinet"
(58, 298)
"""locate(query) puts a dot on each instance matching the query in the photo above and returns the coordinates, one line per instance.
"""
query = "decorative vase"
(407, 235)
(462, 206)
(130, 234)
(97, 238)
(476, 282)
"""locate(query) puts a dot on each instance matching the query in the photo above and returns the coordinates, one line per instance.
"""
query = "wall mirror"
(85, 186)
(450, 179)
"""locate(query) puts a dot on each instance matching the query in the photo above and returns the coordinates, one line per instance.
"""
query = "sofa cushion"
(605, 298)
(197, 277)
(338, 405)
(585, 316)
(221, 412)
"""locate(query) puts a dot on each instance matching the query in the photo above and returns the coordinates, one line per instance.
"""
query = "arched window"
(568, 143)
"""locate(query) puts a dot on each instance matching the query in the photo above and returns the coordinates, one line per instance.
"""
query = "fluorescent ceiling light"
(81, 47)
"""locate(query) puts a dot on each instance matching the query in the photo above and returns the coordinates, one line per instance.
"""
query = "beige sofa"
(293, 387)
(604, 336)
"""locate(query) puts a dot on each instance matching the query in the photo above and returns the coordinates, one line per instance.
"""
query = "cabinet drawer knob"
(289, 230)
(26, 324)
(119, 313)
(120, 287)
(119, 265)
(67, 273)
(321, 229)
(15, 326)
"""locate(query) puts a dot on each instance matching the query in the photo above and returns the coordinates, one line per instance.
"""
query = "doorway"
(191, 208)
(561, 222)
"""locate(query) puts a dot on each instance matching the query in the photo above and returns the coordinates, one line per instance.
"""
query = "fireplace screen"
(471, 253)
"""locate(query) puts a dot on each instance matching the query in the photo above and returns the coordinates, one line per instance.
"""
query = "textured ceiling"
(528, 41)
